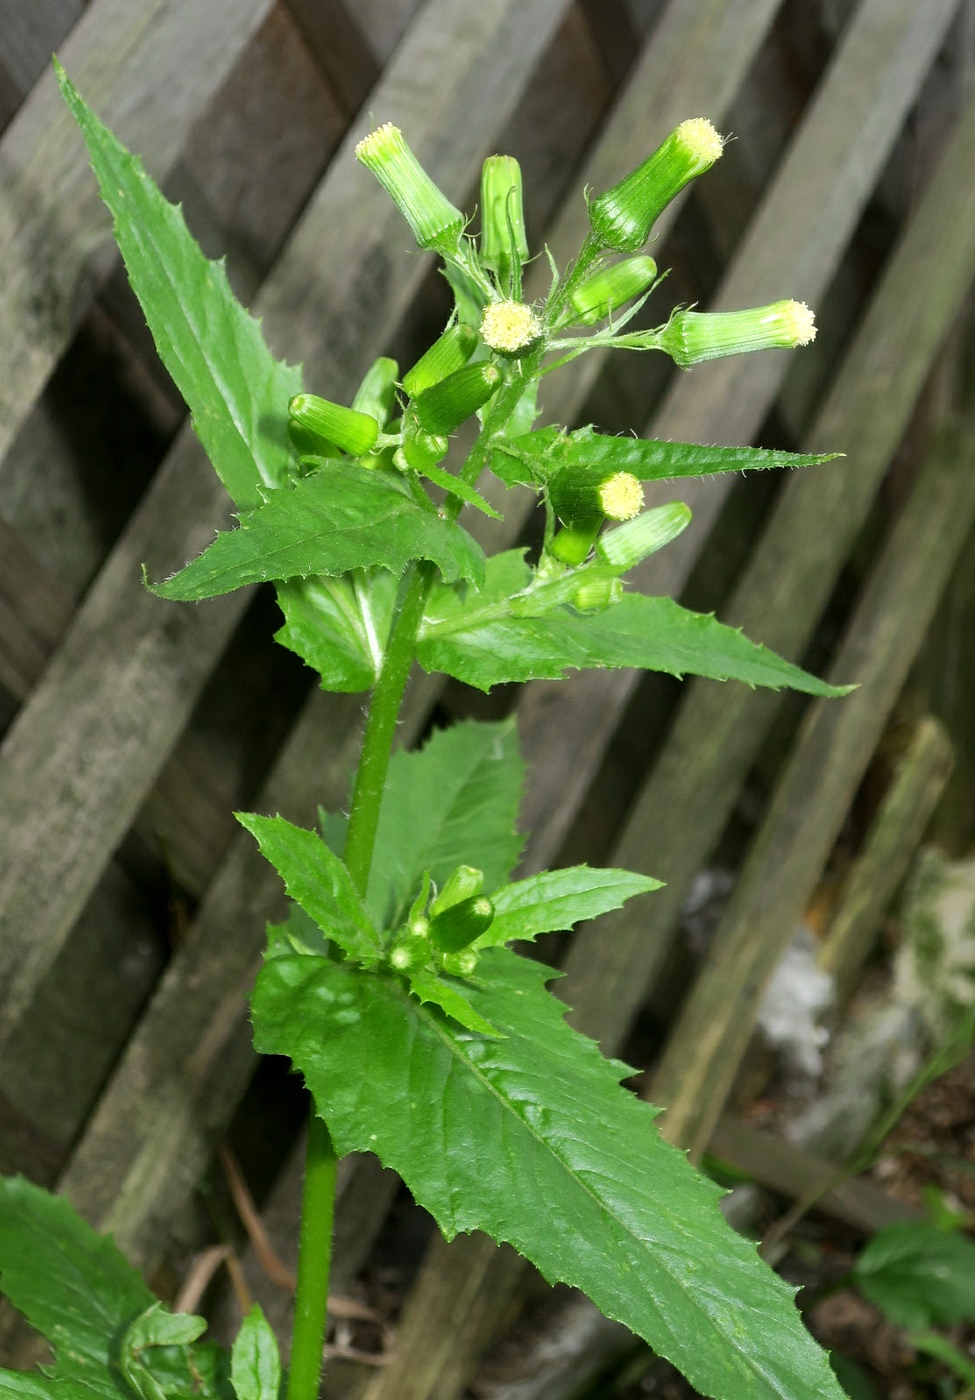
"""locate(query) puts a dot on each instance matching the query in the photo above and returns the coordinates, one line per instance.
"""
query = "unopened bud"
(580, 493)
(465, 882)
(503, 241)
(573, 544)
(509, 327)
(376, 395)
(624, 547)
(610, 288)
(419, 449)
(330, 423)
(596, 595)
(691, 337)
(435, 222)
(456, 927)
(409, 951)
(451, 352)
(442, 409)
(623, 217)
(461, 964)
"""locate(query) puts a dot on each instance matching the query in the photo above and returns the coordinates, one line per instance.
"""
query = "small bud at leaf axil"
(463, 883)
(460, 964)
(454, 928)
(572, 545)
(419, 449)
(610, 288)
(442, 409)
(409, 951)
(624, 547)
(449, 353)
(353, 432)
(623, 217)
(596, 595)
(376, 395)
(435, 222)
(690, 337)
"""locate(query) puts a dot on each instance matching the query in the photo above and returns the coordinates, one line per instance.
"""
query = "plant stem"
(377, 743)
(314, 1263)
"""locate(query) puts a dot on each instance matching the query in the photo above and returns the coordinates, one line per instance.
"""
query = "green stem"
(314, 1263)
(377, 743)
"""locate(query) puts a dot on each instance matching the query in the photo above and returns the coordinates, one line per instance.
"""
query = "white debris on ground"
(704, 906)
(796, 1000)
(885, 1041)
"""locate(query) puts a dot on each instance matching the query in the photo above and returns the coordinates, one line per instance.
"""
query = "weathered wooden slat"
(719, 729)
(793, 244)
(340, 47)
(833, 749)
(150, 68)
(85, 749)
(895, 831)
(29, 33)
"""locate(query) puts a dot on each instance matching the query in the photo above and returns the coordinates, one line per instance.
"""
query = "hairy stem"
(314, 1263)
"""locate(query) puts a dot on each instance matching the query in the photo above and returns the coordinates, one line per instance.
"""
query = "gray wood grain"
(813, 794)
(86, 748)
(719, 729)
(793, 244)
(149, 67)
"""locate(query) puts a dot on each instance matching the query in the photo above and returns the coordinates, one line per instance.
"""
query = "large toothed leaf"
(339, 626)
(533, 457)
(464, 636)
(559, 899)
(530, 1138)
(453, 802)
(344, 517)
(317, 881)
(236, 390)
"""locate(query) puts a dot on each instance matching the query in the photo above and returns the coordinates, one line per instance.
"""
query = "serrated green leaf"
(460, 488)
(345, 517)
(453, 802)
(31, 1385)
(339, 626)
(918, 1275)
(317, 881)
(255, 1365)
(559, 899)
(532, 1139)
(461, 636)
(533, 457)
(427, 987)
(156, 1330)
(71, 1283)
(236, 391)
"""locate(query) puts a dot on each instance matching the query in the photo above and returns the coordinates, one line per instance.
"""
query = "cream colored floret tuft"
(508, 326)
(701, 138)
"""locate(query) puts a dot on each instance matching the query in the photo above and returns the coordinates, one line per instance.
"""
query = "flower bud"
(510, 327)
(623, 217)
(376, 394)
(330, 423)
(572, 545)
(451, 352)
(461, 964)
(597, 594)
(465, 882)
(419, 449)
(632, 541)
(503, 241)
(610, 288)
(581, 493)
(456, 927)
(435, 222)
(691, 337)
(442, 409)
(409, 951)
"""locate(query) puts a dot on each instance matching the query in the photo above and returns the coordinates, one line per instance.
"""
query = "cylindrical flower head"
(581, 493)
(442, 409)
(435, 222)
(463, 883)
(610, 288)
(690, 337)
(456, 927)
(596, 595)
(449, 353)
(624, 547)
(501, 206)
(509, 327)
(460, 964)
(376, 394)
(346, 428)
(623, 217)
